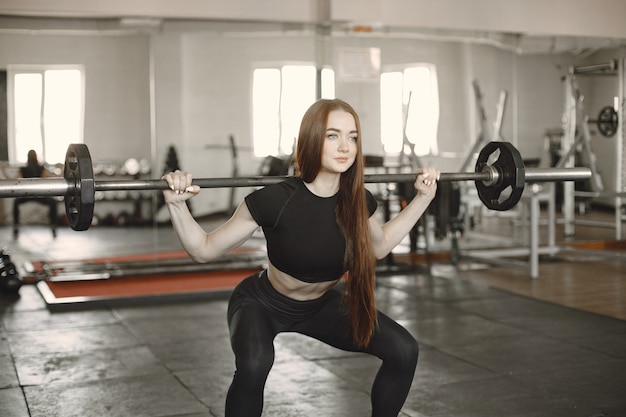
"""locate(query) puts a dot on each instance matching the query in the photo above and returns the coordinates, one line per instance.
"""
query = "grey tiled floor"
(484, 352)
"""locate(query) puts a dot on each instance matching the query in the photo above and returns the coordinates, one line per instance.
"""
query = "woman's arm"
(200, 245)
(390, 234)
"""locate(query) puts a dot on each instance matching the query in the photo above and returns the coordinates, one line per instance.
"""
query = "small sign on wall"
(358, 64)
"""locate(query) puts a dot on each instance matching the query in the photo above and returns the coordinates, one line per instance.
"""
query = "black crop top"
(303, 237)
(31, 171)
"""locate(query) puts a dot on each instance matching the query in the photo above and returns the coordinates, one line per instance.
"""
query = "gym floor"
(494, 342)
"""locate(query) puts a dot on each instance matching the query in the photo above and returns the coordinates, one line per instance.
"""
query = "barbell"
(499, 176)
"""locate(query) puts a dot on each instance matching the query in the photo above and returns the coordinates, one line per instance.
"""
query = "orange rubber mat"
(166, 285)
(157, 284)
(133, 289)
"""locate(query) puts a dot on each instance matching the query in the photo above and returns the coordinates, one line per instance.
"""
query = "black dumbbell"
(10, 281)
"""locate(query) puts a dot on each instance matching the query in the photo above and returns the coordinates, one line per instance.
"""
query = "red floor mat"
(134, 288)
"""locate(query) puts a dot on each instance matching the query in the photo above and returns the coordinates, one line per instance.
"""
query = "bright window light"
(266, 111)
(410, 107)
(280, 96)
(62, 113)
(328, 83)
(47, 112)
(391, 111)
(298, 93)
(28, 95)
(423, 110)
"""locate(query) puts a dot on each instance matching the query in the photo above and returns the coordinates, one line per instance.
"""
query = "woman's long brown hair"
(352, 215)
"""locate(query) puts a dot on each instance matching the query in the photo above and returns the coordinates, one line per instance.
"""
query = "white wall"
(216, 91)
(116, 84)
(540, 98)
(202, 79)
(271, 10)
(559, 17)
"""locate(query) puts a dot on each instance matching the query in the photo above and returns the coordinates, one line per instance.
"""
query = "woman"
(318, 226)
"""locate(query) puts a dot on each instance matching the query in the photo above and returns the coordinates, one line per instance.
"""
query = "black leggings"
(257, 313)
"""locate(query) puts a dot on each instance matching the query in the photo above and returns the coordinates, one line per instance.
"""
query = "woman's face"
(340, 142)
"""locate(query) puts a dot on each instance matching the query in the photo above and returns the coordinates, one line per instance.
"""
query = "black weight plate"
(80, 197)
(511, 176)
(607, 121)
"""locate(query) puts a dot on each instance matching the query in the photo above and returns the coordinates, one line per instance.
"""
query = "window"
(45, 112)
(280, 96)
(410, 106)
(328, 83)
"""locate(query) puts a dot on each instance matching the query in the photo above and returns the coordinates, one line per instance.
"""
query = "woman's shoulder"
(286, 187)
(266, 203)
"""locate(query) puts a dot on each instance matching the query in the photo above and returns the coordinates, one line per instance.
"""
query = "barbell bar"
(499, 177)
(58, 187)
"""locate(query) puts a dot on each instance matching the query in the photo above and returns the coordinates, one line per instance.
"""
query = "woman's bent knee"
(254, 365)
(397, 346)
(411, 352)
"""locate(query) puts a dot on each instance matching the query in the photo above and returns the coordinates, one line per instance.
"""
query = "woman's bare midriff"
(294, 288)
